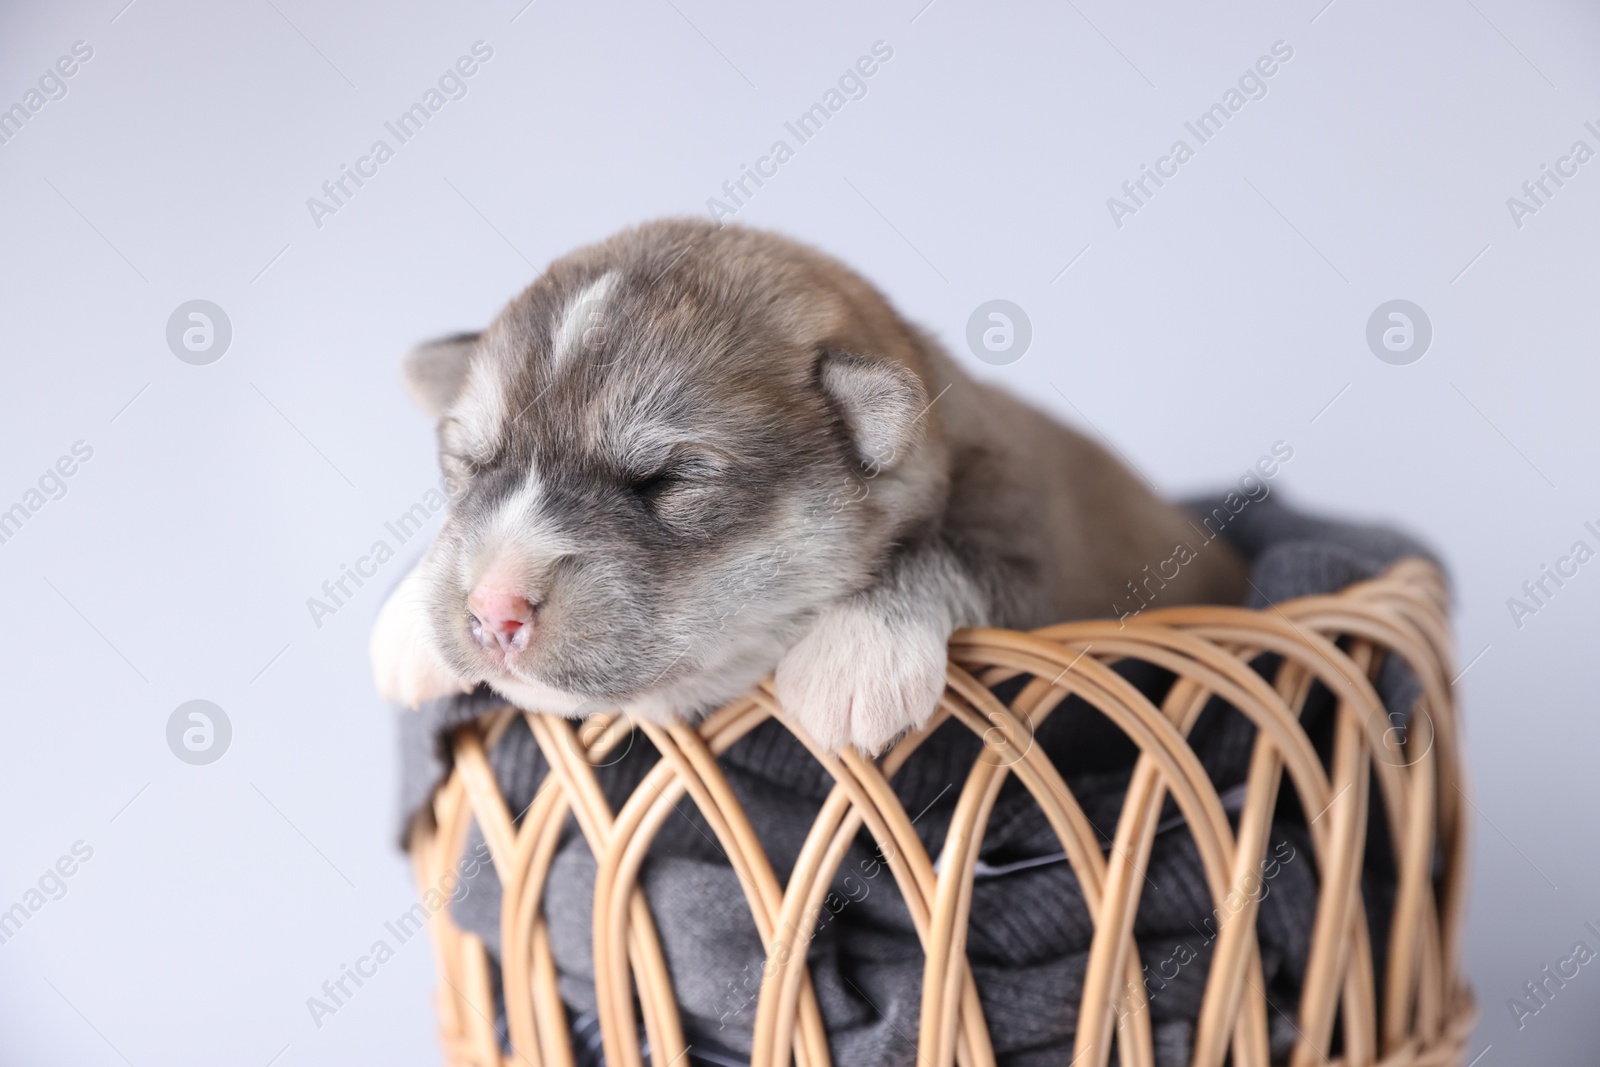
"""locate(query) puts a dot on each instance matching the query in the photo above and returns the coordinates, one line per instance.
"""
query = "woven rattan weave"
(1338, 641)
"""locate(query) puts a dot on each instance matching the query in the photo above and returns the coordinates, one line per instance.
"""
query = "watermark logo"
(1541, 990)
(198, 732)
(1009, 738)
(744, 987)
(852, 85)
(590, 325)
(602, 724)
(452, 887)
(1252, 85)
(199, 332)
(1537, 592)
(1400, 748)
(52, 86)
(1145, 587)
(1399, 332)
(52, 485)
(405, 526)
(51, 886)
(1255, 889)
(338, 191)
(1537, 192)
(999, 332)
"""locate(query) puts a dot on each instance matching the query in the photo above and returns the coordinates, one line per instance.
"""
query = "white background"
(1226, 315)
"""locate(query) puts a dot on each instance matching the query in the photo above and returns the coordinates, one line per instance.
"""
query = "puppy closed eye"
(650, 486)
(461, 467)
(463, 457)
(463, 447)
(676, 488)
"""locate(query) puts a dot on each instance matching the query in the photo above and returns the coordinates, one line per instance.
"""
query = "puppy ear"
(882, 401)
(435, 372)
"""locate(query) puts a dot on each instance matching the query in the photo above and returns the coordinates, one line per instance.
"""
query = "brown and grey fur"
(743, 461)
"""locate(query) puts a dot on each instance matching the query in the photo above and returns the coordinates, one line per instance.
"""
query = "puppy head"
(669, 453)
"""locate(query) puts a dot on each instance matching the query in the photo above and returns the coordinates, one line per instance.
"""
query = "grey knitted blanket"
(1029, 931)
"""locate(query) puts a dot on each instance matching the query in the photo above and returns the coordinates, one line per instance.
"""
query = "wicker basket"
(1339, 640)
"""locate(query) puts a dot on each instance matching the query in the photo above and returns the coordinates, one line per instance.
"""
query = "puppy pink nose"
(500, 620)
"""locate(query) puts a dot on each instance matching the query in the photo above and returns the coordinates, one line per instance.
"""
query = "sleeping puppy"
(690, 456)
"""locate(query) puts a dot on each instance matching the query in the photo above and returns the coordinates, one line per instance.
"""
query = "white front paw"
(859, 678)
(406, 665)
